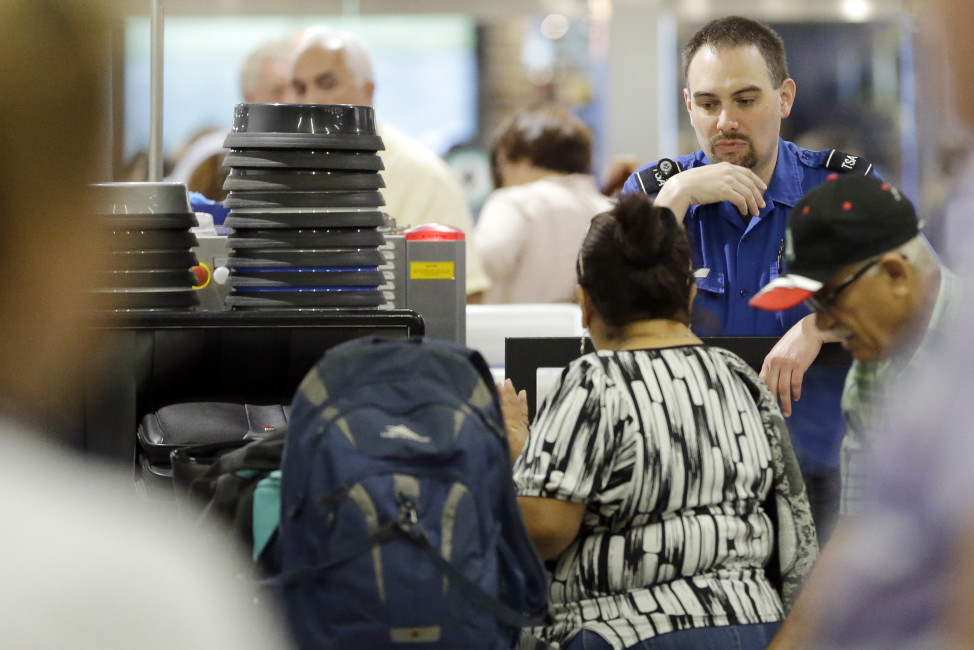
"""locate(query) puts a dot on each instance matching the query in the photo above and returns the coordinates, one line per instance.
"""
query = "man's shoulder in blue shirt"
(805, 167)
(741, 255)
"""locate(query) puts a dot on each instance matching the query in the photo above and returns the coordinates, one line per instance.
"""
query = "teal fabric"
(267, 510)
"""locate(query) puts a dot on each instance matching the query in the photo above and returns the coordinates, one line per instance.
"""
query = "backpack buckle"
(407, 519)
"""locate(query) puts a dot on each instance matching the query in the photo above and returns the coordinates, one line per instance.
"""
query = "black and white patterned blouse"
(674, 450)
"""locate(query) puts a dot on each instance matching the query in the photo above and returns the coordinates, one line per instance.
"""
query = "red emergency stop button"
(203, 275)
(434, 232)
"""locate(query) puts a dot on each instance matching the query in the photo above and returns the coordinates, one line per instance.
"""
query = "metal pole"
(155, 90)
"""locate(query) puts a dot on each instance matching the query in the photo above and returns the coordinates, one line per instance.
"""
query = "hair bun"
(644, 239)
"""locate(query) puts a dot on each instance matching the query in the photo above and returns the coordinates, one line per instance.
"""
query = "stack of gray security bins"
(149, 228)
(304, 199)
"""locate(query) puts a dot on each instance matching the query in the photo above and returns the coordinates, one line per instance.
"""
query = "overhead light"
(856, 11)
(554, 26)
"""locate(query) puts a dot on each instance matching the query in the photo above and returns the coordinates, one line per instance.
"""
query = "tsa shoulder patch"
(843, 162)
(652, 179)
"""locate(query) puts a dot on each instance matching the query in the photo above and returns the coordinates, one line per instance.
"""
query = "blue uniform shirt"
(743, 257)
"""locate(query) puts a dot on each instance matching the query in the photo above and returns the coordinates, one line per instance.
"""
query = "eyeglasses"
(823, 300)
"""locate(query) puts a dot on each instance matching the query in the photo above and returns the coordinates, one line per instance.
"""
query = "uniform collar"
(786, 186)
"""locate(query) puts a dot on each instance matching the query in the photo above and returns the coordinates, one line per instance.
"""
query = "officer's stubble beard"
(748, 159)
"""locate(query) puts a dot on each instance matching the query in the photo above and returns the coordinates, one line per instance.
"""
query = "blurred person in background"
(265, 75)
(530, 228)
(336, 68)
(83, 564)
(617, 172)
(901, 576)
(658, 477)
(199, 164)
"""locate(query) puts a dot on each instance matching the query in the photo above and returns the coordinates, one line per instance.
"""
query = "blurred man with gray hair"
(265, 76)
(336, 68)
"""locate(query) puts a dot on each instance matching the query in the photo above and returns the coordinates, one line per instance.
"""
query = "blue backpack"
(399, 522)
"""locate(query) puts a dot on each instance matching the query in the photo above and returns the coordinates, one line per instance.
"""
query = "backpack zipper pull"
(408, 520)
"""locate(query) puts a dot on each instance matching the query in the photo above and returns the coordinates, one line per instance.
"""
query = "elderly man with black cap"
(856, 257)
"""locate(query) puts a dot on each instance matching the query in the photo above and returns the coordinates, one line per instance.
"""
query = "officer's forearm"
(671, 197)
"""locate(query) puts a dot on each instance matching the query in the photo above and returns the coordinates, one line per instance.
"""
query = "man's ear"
(899, 270)
(787, 93)
(687, 100)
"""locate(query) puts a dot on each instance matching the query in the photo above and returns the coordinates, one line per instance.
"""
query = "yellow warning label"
(432, 270)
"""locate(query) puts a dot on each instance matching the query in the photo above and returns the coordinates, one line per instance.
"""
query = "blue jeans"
(726, 637)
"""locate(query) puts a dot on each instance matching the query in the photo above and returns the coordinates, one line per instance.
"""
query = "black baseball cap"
(846, 220)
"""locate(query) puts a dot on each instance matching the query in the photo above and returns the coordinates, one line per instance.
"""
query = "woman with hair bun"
(658, 478)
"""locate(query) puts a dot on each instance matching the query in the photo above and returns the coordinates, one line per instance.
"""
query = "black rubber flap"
(263, 258)
(305, 238)
(275, 299)
(302, 199)
(337, 219)
(304, 159)
(184, 220)
(272, 180)
(145, 240)
(169, 298)
(371, 143)
(319, 277)
(147, 279)
(164, 259)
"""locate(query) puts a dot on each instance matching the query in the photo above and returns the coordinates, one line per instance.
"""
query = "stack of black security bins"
(304, 199)
(149, 228)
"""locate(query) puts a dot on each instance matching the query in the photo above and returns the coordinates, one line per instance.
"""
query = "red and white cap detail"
(784, 293)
